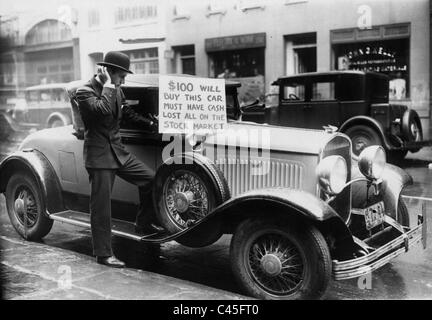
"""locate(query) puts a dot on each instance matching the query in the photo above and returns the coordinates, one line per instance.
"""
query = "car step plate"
(119, 227)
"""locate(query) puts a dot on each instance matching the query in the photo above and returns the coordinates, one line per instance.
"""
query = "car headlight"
(372, 161)
(332, 174)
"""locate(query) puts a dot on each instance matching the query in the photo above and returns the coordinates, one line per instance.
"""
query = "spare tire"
(185, 192)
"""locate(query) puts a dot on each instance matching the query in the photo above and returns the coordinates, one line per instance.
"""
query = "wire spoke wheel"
(26, 208)
(274, 259)
(186, 198)
(275, 264)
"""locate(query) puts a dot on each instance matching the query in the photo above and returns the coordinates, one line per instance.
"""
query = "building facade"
(252, 41)
(258, 41)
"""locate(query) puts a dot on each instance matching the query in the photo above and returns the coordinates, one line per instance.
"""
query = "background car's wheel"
(186, 193)
(362, 136)
(274, 260)
(402, 213)
(26, 207)
(56, 123)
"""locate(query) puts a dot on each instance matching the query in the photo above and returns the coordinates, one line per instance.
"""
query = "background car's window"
(45, 95)
(32, 96)
(350, 89)
(323, 91)
(294, 92)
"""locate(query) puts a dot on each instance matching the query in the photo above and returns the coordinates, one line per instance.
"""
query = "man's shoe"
(110, 262)
(148, 228)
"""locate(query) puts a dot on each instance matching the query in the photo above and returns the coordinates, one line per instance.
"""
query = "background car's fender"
(394, 179)
(33, 161)
(368, 121)
(57, 115)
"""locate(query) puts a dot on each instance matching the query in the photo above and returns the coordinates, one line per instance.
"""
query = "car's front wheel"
(274, 260)
(186, 193)
(362, 137)
(26, 207)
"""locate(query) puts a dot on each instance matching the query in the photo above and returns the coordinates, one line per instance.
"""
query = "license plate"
(374, 215)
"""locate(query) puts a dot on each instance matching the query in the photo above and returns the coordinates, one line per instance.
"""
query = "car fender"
(276, 203)
(205, 163)
(37, 164)
(365, 120)
(394, 179)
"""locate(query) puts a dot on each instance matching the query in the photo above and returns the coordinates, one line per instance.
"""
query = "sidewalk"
(63, 268)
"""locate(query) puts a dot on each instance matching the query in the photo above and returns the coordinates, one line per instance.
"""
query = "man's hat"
(116, 59)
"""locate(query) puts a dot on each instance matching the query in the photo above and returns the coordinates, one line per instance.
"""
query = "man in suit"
(102, 106)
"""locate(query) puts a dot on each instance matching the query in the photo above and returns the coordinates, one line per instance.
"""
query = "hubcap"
(414, 131)
(19, 206)
(186, 198)
(25, 207)
(182, 200)
(271, 265)
(275, 264)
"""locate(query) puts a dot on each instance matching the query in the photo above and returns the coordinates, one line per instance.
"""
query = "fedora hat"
(116, 59)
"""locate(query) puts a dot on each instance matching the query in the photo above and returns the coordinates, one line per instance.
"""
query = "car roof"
(58, 85)
(328, 73)
(145, 81)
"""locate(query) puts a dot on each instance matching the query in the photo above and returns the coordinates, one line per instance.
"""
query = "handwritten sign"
(190, 104)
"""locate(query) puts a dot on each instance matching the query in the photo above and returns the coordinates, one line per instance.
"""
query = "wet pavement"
(62, 266)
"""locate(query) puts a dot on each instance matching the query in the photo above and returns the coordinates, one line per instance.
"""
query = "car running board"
(118, 227)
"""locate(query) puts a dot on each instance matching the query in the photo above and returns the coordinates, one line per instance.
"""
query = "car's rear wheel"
(274, 260)
(362, 137)
(185, 194)
(26, 207)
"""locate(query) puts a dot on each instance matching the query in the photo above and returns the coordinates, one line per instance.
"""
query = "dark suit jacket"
(101, 111)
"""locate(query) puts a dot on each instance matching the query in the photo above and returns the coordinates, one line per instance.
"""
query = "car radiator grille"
(245, 175)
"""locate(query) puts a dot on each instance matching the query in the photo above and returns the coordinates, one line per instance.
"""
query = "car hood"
(275, 138)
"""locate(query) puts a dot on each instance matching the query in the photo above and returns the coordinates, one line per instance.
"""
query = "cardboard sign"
(191, 105)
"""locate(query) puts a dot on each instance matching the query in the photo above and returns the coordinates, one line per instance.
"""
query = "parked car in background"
(9, 101)
(300, 214)
(355, 102)
(47, 106)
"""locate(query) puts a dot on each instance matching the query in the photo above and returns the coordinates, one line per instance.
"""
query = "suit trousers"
(101, 183)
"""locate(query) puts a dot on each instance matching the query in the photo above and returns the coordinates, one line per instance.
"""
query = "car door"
(323, 109)
(293, 99)
(144, 145)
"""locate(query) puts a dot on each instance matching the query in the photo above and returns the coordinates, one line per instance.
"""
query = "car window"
(322, 91)
(45, 95)
(294, 92)
(142, 101)
(32, 96)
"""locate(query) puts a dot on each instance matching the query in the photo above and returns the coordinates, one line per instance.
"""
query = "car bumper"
(357, 267)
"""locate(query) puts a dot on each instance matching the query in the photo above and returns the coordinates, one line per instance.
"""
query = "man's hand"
(104, 75)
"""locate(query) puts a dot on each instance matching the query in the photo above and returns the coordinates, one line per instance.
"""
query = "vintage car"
(355, 102)
(300, 208)
(47, 106)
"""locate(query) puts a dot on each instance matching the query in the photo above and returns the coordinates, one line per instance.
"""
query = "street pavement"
(62, 266)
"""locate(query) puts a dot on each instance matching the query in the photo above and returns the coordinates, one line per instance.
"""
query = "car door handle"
(307, 107)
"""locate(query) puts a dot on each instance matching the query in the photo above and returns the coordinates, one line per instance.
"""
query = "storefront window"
(144, 61)
(390, 57)
(245, 66)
